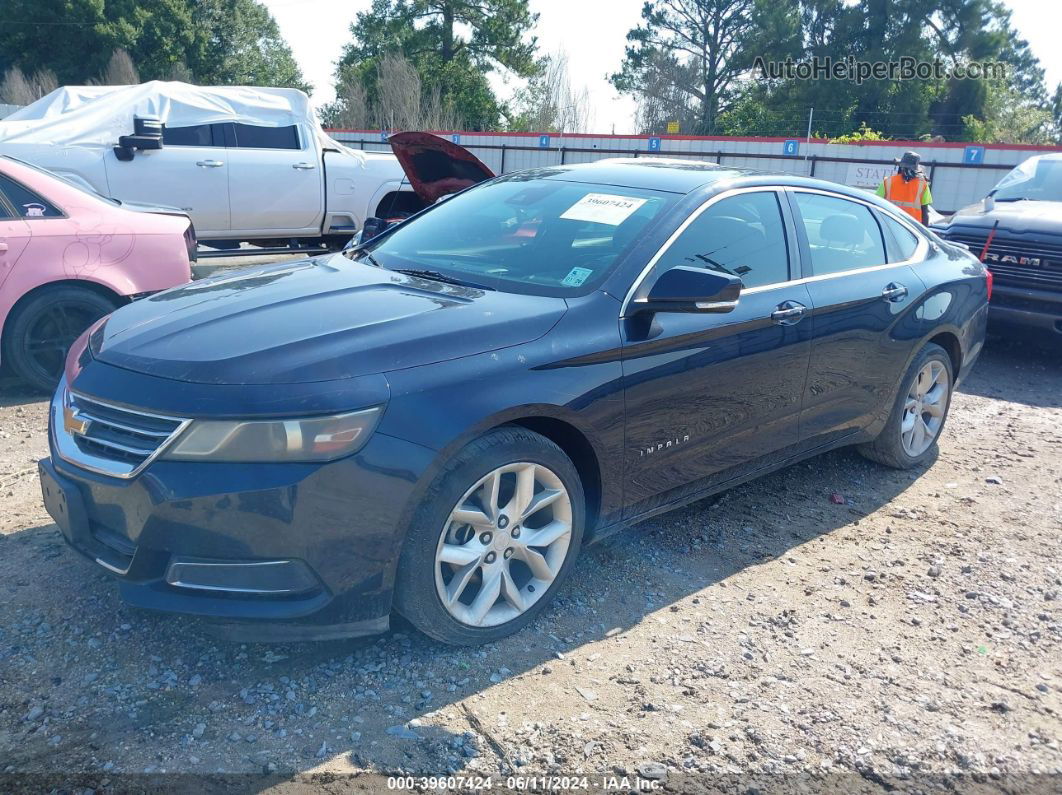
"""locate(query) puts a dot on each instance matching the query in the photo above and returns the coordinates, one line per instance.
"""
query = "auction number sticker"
(576, 276)
(603, 208)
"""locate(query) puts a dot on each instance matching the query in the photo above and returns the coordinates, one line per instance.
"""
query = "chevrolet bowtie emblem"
(72, 423)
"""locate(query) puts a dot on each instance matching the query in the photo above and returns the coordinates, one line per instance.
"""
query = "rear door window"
(251, 136)
(842, 234)
(27, 204)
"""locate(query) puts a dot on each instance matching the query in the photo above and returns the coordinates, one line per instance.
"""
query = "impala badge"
(659, 446)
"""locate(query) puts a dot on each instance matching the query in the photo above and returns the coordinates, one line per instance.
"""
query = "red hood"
(436, 167)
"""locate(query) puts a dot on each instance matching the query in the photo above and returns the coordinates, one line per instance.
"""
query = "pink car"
(68, 257)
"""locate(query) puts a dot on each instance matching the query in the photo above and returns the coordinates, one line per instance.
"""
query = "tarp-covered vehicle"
(246, 163)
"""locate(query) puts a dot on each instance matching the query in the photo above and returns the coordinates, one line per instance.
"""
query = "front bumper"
(273, 551)
(1030, 308)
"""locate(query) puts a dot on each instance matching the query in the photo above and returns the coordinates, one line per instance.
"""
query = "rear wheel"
(917, 419)
(494, 539)
(41, 331)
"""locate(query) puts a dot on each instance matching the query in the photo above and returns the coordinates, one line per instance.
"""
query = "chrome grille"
(103, 437)
(1035, 265)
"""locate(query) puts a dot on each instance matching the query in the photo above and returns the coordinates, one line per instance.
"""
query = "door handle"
(303, 166)
(3, 246)
(894, 292)
(788, 313)
(209, 163)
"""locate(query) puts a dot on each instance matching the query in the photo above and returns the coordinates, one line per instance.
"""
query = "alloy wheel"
(51, 334)
(925, 407)
(503, 544)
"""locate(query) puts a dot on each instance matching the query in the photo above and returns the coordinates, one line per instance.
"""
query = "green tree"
(238, 42)
(1056, 112)
(216, 41)
(955, 32)
(684, 60)
(1009, 116)
(452, 44)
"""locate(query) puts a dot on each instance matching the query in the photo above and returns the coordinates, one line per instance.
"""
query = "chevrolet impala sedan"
(434, 422)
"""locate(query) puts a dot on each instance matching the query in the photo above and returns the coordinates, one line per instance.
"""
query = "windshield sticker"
(576, 276)
(603, 208)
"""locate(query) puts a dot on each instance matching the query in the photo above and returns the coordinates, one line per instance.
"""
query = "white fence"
(960, 173)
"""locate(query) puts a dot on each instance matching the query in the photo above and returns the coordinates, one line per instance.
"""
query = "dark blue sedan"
(436, 421)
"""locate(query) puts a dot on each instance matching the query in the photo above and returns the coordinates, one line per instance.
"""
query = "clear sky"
(592, 34)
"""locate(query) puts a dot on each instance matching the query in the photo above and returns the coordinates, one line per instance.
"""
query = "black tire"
(888, 447)
(416, 597)
(40, 331)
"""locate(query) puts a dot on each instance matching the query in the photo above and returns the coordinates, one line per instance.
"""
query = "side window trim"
(7, 209)
(892, 246)
(651, 267)
(919, 254)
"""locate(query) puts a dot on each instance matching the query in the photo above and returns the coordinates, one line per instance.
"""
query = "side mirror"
(147, 134)
(989, 203)
(688, 289)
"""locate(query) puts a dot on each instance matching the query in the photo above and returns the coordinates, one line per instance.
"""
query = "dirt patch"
(774, 633)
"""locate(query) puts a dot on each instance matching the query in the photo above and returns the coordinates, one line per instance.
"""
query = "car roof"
(681, 175)
(654, 173)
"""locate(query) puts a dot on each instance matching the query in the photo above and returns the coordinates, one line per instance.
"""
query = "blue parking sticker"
(791, 147)
(576, 276)
(543, 141)
(456, 138)
(654, 144)
(383, 135)
(973, 155)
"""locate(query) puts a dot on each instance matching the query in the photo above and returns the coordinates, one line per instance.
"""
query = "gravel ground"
(833, 622)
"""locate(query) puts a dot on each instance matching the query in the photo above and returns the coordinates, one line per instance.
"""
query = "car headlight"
(309, 439)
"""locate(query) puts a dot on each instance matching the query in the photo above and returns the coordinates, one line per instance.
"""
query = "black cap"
(911, 160)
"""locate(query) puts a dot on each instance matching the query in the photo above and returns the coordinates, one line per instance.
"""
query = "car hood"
(321, 319)
(1019, 217)
(436, 167)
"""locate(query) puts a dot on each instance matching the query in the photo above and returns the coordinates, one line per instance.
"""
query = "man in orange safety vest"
(908, 188)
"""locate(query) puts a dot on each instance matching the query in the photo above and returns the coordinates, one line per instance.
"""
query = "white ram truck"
(247, 164)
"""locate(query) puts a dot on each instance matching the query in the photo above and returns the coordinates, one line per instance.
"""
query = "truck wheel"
(493, 540)
(41, 330)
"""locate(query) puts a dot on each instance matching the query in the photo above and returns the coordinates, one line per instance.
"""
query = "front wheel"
(910, 436)
(494, 540)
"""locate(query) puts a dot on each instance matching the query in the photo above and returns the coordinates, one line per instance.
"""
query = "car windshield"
(523, 234)
(1037, 179)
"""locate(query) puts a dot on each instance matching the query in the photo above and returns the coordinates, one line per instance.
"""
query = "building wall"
(955, 183)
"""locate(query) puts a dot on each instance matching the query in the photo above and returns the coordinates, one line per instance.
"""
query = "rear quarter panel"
(954, 306)
(123, 251)
(955, 302)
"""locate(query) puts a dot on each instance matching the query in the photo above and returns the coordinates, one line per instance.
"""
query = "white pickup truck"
(246, 164)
